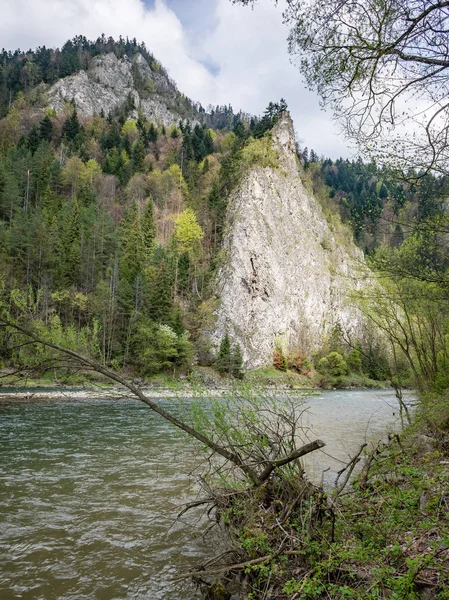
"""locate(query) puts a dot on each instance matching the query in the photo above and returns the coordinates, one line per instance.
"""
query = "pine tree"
(138, 154)
(46, 129)
(133, 245)
(161, 293)
(305, 158)
(236, 360)
(149, 226)
(33, 140)
(71, 127)
(223, 362)
(239, 128)
(152, 133)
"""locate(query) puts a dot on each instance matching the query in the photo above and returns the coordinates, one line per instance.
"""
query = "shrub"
(279, 360)
(299, 362)
(157, 348)
(333, 364)
(354, 360)
(260, 152)
(229, 360)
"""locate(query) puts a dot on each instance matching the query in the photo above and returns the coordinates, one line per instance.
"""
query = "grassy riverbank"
(202, 377)
(385, 537)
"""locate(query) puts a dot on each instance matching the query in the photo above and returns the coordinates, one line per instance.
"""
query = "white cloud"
(248, 46)
(28, 24)
(251, 47)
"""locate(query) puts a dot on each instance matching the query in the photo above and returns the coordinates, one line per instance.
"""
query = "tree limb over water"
(253, 462)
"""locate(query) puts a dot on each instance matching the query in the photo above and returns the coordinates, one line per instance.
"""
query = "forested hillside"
(32, 72)
(109, 226)
(381, 205)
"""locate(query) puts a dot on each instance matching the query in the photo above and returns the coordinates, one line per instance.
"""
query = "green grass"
(270, 376)
(52, 379)
(386, 537)
(353, 380)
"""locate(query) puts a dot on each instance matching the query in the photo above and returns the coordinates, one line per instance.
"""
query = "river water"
(90, 490)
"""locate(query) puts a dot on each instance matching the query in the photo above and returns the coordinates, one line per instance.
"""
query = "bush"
(157, 348)
(300, 363)
(354, 360)
(260, 152)
(279, 360)
(333, 364)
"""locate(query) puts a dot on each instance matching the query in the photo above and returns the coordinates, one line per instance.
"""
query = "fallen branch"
(363, 477)
(350, 468)
(191, 505)
(306, 449)
(236, 567)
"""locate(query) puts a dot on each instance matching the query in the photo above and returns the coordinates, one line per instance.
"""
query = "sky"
(217, 52)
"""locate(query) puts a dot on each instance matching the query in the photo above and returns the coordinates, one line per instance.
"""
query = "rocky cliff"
(286, 270)
(109, 82)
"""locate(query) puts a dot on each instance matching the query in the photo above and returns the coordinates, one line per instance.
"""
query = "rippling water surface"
(88, 496)
(89, 493)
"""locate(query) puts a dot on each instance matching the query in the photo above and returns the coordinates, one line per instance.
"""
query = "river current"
(90, 491)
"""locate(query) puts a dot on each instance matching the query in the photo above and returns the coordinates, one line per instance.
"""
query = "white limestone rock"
(285, 276)
(107, 85)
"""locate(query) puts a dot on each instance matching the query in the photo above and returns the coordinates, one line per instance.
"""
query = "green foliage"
(149, 226)
(188, 233)
(138, 155)
(279, 361)
(260, 152)
(410, 308)
(354, 361)
(109, 219)
(72, 127)
(333, 364)
(158, 347)
(229, 360)
(309, 543)
(271, 116)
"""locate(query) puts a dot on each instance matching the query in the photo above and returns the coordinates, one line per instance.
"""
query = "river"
(90, 490)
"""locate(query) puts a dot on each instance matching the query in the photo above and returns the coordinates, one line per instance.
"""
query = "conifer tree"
(33, 140)
(149, 226)
(46, 129)
(71, 127)
(160, 298)
(223, 362)
(133, 245)
(152, 133)
(138, 155)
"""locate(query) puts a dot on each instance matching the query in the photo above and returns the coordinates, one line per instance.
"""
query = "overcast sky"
(217, 52)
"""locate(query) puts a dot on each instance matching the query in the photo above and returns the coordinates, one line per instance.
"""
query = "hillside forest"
(111, 226)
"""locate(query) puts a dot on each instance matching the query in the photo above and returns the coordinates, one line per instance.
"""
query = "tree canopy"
(382, 67)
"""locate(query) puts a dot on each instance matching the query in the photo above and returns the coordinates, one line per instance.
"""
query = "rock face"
(286, 272)
(110, 82)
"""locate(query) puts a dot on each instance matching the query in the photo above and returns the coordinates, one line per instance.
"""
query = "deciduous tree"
(382, 66)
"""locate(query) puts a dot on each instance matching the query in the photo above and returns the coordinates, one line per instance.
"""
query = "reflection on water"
(89, 492)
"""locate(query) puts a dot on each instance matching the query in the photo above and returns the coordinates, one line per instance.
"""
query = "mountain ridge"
(176, 202)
